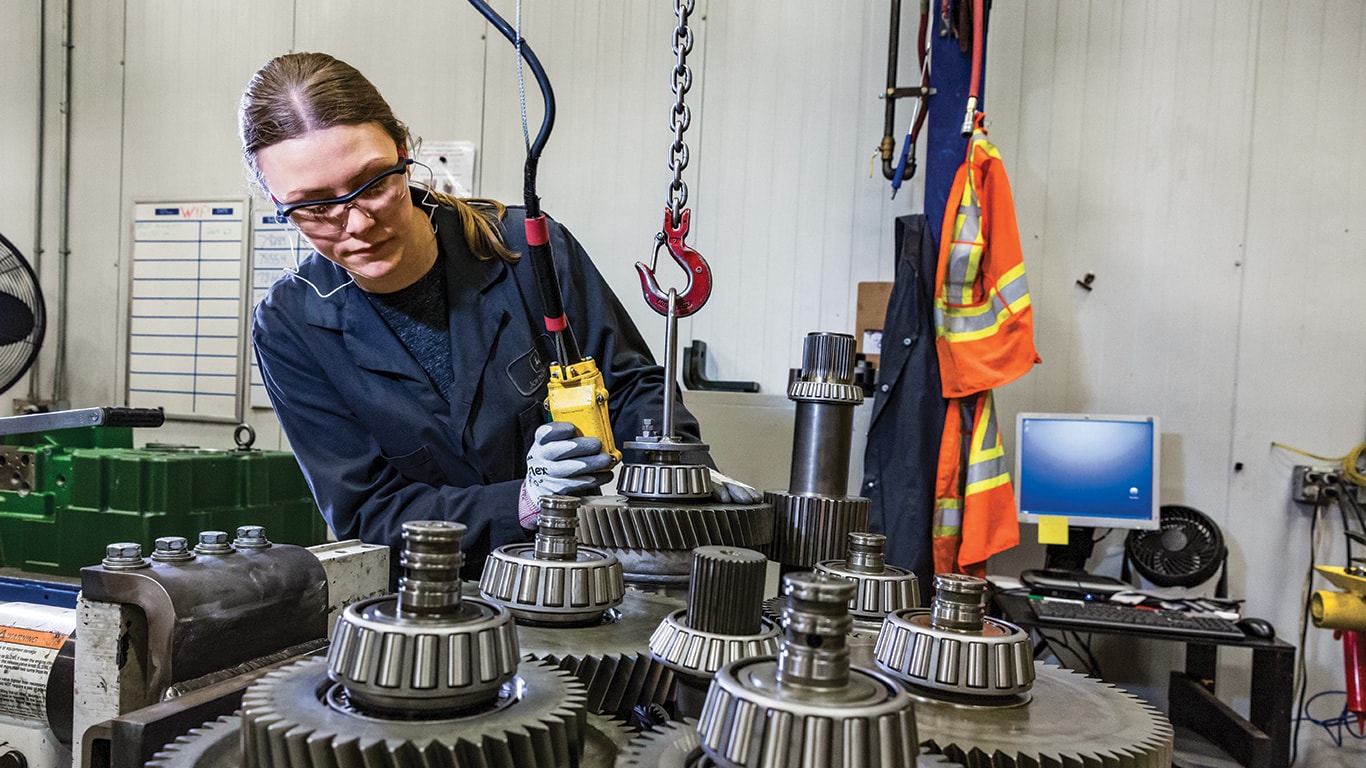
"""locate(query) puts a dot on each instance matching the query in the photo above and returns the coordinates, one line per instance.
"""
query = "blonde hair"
(297, 93)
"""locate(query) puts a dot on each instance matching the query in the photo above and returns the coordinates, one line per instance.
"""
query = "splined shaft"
(727, 590)
(814, 514)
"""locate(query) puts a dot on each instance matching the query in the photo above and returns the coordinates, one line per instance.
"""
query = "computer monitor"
(1097, 471)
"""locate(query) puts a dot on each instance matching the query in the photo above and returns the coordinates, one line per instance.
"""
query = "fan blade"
(16, 319)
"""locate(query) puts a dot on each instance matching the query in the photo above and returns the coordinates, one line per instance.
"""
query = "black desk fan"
(23, 318)
(1185, 551)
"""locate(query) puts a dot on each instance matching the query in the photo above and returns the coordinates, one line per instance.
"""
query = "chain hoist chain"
(680, 116)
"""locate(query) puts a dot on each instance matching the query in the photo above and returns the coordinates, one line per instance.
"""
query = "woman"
(405, 357)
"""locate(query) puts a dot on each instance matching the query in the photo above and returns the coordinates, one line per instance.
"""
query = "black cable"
(1302, 664)
(538, 238)
(533, 153)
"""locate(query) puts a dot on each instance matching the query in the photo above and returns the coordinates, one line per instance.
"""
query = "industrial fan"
(1186, 550)
(22, 316)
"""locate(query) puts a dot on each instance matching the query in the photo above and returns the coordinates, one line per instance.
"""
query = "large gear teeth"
(1070, 720)
(671, 745)
(609, 658)
(214, 744)
(809, 529)
(616, 523)
(617, 684)
(294, 717)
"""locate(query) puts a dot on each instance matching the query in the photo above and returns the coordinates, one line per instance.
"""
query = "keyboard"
(1102, 615)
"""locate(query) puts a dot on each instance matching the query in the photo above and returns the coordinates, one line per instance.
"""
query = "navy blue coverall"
(376, 442)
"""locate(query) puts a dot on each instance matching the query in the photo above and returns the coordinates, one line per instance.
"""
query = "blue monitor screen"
(1097, 471)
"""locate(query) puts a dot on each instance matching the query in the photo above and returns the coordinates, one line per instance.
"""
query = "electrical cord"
(1352, 470)
(1301, 682)
(1334, 726)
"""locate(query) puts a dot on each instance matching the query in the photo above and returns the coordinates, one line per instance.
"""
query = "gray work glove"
(730, 491)
(560, 463)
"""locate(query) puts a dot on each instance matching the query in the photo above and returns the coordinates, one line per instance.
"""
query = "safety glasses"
(329, 217)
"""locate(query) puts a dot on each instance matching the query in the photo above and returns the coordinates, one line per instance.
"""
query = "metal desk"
(1262, 740)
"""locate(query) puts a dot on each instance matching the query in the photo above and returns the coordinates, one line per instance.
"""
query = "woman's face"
(378, 238)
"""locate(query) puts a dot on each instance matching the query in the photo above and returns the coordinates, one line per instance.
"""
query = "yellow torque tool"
(577, 395)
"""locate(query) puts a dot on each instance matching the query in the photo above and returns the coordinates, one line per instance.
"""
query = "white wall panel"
(1194, 156)
(20, 55)
(1300, 380)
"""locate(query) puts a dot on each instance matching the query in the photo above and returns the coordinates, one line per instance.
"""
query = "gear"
(537, 721)
(809, 529)
(214, 744)
(671, 745)
(615, 522)
(608, 657)
(1067, 719)
(678, 745)
(218, 744)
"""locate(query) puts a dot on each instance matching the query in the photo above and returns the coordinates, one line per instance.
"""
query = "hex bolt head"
(213, 543)
(251, 537)
(122, 556)
(172, 549)
(123, 550)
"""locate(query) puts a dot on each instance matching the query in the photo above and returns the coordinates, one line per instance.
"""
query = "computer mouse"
(1255, 627)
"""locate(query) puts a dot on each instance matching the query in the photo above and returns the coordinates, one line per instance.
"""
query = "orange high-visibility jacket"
(984, 325)
(974, 511)
(984, 333)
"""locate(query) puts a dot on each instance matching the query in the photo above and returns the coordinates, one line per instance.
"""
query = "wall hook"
(1085, 282)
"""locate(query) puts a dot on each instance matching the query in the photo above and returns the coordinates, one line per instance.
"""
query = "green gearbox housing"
(67, 494)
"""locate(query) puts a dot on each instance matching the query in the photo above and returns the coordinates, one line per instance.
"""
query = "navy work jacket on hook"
(377, 443)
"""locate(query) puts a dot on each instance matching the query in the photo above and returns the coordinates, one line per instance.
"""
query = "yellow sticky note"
(1053, 530)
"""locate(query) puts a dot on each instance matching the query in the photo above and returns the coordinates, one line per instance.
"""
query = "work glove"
(730, 491)
(560, 463)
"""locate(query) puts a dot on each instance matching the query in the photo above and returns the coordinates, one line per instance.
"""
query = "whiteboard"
(187, 329)
(275, 246)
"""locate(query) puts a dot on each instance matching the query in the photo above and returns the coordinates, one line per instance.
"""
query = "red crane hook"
(698, 289)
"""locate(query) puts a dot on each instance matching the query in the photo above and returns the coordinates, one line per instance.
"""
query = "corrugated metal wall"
(1196, 157)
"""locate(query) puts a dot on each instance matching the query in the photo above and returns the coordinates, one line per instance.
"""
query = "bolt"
(123, 550)
(172, 549)
(213, 543)
(251, 537)
(125, 555)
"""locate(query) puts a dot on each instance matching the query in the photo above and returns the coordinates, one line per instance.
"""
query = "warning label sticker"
(26, 657)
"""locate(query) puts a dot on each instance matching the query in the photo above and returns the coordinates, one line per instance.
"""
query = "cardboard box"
(872, 312)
